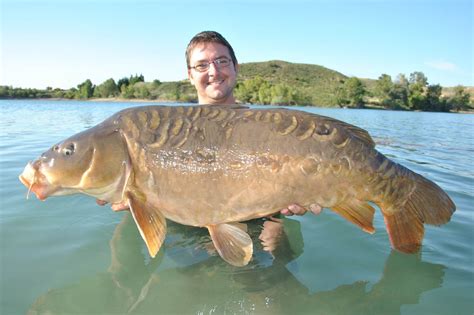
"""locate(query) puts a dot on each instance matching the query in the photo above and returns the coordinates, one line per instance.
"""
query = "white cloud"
(442, 65)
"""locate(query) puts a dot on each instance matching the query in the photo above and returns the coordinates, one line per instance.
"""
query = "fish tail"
(411, 202)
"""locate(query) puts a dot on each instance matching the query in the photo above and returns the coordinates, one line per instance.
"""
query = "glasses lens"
(222, 62)
(219, 63)
(202, 67)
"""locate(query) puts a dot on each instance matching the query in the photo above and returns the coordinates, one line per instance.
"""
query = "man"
(212, 69)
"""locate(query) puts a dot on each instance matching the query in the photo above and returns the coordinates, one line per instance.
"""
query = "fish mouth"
(36, 182)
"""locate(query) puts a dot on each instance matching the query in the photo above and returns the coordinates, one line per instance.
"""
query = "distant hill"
(317, 82)
(449, 91)
(313, 84)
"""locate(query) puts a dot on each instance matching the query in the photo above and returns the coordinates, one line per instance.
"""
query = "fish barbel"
(215, 166)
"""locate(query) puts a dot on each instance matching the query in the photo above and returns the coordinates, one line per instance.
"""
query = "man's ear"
(190, 77)
(237, 68)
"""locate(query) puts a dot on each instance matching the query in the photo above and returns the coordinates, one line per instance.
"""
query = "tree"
(260, 91)
(417, 85)
(418, 77)
(141, 90)
(402, 80)
(355, 92)
(123, 82)
(399, 92)
(4, 91)
(340, 96)
(136, 78)
(280, 94)
(398, 97)
(252, 90)
(383, 89)
(107, 89)
(460, 99)
(126, 91)
(265, 93)
(71, 93)
(85, 90)
(433, 100)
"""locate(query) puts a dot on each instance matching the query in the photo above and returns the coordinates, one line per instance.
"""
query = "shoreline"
(161, 101)
(105, 100)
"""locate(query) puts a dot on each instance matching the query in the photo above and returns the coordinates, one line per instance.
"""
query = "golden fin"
(427, 203)
(233, 244)
(405, 230)
(430, 202)
(357, 212)
(150, 222)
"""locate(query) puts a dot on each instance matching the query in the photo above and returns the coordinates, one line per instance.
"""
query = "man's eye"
(222, 61)
(202, 66)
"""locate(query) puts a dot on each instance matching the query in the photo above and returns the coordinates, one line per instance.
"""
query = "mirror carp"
(216, 166)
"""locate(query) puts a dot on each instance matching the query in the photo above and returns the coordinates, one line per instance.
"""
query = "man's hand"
(271, 234)
(120, 206)
(299, 210)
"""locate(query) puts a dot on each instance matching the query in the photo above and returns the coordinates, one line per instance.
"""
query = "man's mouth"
(219, 82)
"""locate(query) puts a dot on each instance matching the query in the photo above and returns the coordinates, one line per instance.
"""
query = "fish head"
(93, 162)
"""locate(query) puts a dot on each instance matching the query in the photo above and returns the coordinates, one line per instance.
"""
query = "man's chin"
(210, 100)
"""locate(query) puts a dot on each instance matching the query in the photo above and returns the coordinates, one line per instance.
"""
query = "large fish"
(215, 166)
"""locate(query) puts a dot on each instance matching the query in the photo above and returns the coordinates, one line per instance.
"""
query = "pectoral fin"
(233, 244)
(150, 222)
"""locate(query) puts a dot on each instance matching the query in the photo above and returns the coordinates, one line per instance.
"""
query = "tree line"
(413, 93)
(260, 91)
(132, 87)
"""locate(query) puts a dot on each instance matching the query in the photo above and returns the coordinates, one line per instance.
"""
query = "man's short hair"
(209, 37)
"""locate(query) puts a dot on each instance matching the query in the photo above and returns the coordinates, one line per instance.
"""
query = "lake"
(69, 256)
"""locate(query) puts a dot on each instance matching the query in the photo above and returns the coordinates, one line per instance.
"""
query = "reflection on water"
(199, 283)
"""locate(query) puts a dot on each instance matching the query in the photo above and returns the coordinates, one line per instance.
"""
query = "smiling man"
(212, 68)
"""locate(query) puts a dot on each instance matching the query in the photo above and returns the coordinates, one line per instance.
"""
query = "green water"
(69, 256)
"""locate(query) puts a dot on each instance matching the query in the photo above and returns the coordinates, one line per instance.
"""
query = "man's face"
(214, 86)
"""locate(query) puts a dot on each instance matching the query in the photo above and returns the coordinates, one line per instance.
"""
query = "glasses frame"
(217, 63)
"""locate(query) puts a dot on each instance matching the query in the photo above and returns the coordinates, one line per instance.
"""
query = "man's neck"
(229, 101)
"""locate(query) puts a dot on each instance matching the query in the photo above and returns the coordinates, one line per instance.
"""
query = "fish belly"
(214, 197)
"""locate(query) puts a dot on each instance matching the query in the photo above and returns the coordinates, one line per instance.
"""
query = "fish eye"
(69, 150)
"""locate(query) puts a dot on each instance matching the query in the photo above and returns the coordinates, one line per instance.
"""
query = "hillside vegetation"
(280, 83)
(317, 85)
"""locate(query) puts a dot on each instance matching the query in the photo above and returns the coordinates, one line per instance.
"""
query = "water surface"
(67, 255)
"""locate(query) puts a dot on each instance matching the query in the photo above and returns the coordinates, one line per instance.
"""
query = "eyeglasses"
(220, 63)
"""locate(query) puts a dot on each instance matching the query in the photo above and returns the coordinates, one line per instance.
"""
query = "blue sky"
(61, 43)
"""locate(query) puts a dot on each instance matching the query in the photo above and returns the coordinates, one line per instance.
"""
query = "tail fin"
(426, 203)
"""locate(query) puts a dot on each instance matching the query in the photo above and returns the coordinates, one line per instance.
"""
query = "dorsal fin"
(350, 130)
(354, 131)
(361, 134)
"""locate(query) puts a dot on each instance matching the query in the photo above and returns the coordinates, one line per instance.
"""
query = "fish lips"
(36, 182)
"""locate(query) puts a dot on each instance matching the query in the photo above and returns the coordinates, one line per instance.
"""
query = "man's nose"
(212, 69)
